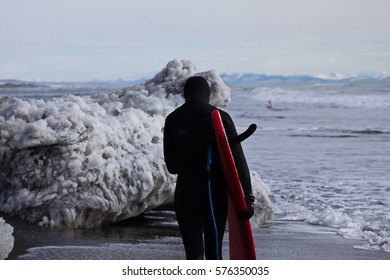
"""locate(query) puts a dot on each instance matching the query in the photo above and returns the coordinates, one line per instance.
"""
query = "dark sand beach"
(159, 239)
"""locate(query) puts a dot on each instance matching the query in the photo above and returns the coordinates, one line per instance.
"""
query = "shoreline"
(136, 240)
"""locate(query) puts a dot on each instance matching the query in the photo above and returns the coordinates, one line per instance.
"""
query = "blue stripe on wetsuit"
(209, 154)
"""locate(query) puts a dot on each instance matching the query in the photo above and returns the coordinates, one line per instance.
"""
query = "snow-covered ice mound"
(6, 239)
(87, 161)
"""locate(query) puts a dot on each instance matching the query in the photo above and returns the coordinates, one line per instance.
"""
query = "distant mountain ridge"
(241, 78)
(233, 78)
(238, 78)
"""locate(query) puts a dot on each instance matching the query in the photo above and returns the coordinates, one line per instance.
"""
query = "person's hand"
(248, 213)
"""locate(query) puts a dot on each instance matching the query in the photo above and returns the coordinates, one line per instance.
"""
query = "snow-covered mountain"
(231, 78)
(241, 78)
(238, 78)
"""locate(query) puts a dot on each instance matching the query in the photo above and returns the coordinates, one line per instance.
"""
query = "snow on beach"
(75, 161)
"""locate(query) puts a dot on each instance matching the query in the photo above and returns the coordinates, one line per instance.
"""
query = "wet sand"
(157, 237)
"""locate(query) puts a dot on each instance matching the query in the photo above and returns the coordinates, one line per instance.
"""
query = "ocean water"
(324, 152)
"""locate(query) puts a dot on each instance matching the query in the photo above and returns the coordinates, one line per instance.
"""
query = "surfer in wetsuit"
(201, 196)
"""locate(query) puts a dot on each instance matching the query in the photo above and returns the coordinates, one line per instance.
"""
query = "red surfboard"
(241, 244)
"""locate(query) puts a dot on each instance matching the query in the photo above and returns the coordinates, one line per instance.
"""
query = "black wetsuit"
(188, 134)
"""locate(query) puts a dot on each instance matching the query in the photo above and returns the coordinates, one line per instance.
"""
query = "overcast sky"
(73, 40)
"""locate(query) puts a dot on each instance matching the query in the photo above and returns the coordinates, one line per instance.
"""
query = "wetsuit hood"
(196, 89)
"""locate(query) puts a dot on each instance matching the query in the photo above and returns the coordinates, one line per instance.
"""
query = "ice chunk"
(86, 161)
(6, 239)
(264, 210)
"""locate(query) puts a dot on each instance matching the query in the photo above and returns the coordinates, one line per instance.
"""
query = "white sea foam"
(330, 95)
(84, 161)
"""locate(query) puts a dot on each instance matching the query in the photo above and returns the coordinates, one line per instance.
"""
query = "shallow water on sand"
(143, 239)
